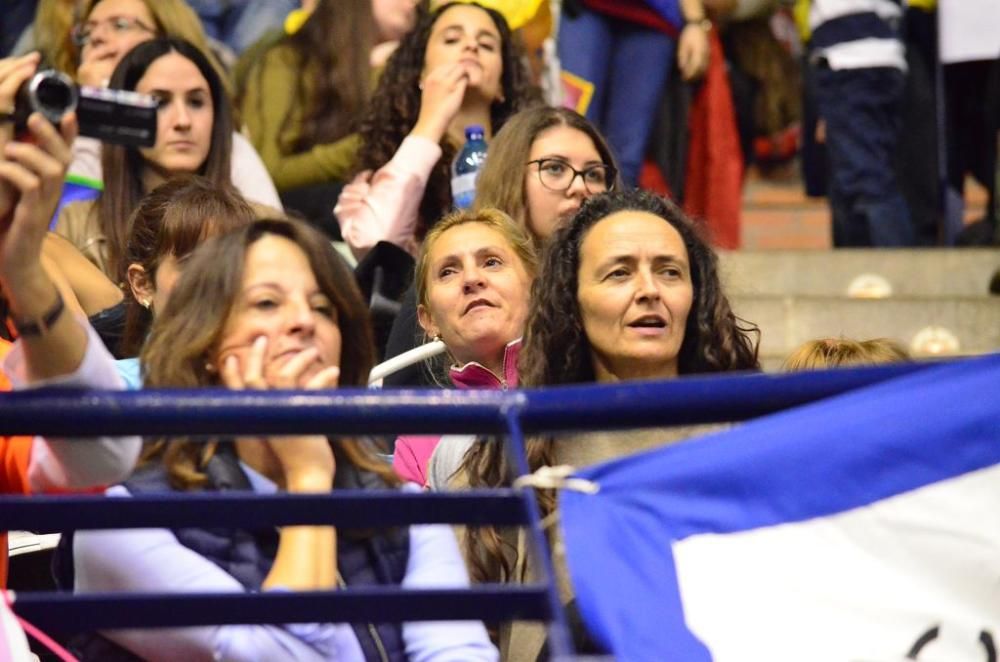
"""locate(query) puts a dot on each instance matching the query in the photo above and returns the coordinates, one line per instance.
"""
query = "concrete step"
(933, 272)
(786, 322)
(777, 215)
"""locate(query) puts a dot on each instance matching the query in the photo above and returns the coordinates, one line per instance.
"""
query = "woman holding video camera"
(105, 31)
(194, 136)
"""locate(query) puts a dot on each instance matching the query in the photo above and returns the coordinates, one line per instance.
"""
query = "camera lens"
(50, 92)
(54, 96)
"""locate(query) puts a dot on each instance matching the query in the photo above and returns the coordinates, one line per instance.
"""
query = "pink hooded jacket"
(413, 452)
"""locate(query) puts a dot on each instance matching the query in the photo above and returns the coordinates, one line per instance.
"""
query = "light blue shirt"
(130, 372)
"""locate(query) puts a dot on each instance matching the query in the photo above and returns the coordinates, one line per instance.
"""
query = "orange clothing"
(15, 453)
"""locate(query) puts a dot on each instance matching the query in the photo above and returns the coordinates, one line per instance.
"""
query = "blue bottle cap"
(474, 131)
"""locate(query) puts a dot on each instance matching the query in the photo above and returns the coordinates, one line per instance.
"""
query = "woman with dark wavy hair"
(305, 136)
(628, 290)
(707, 338)
(458, 67)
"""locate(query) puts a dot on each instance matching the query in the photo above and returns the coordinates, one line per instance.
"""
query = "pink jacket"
(413, 452)
(385, 207)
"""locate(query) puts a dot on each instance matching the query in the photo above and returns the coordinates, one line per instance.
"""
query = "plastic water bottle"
(465, 169)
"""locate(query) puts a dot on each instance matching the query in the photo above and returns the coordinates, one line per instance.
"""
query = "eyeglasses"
(82, 33)
(557, 175)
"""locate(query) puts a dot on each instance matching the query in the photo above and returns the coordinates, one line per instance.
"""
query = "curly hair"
(556, 349)
(395, 106)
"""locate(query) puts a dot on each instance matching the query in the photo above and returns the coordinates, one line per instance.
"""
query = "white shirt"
(865, 52)
(249, 175)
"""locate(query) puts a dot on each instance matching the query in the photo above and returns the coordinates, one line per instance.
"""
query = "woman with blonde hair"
(543, 164)
(473, 280)
(108, 29)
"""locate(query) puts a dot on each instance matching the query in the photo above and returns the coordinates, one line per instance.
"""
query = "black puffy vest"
(371, 559)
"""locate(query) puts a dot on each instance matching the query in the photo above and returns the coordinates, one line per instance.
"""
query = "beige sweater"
(521, 641)
(78, 223)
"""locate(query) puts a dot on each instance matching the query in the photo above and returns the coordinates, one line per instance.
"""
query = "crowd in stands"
(293, 225)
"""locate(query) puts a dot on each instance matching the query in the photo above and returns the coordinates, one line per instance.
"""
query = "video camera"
(113, 116)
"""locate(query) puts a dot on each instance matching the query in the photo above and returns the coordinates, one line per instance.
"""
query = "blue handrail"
(348, 412)
(66, 613)
(703, 399)
(350, 509)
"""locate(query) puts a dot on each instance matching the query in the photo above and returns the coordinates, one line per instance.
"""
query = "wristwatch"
(25, 326)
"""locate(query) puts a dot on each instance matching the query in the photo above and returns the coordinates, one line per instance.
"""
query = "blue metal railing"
(354, 411)
(348, 412)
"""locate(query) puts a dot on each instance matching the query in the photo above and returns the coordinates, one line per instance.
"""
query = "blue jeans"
(628, 65)
(240, 23)
(863, 114)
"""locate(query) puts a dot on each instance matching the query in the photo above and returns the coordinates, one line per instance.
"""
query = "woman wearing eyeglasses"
(111, 28)
(543, 164)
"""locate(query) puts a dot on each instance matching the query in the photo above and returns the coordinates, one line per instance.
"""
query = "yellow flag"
(517, 12)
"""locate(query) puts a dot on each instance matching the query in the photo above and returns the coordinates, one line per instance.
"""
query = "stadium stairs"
(789, 281)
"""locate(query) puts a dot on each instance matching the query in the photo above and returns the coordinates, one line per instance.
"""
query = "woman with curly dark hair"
(458, 67)
(305, 136)
(622, 228)
(628, 290)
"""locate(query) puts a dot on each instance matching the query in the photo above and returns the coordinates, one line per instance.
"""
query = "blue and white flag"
(863, 528)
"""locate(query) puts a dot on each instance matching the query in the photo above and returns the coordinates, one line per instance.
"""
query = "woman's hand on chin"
(442, 93)
(95, 72)
(304, 463)
(254, 369)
